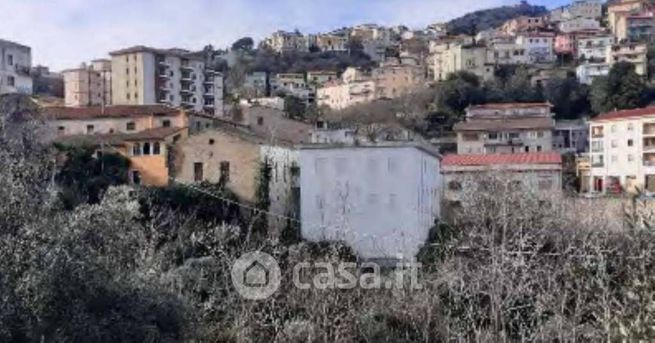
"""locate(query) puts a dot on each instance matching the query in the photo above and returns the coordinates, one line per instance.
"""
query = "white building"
(147, 76)
(591, 9)
(623, 151)
(594, 48)
(538, 46)
(578, 24)
(571, 136)
(587, 72)
(15, 65)
(380, 199)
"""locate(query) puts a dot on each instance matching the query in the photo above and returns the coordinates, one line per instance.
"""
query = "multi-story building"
(256, 84)
(176, 77)
(593, 48)
(292, 84)
(506, 52)
(393, 79)
(88, 85)
(329, 42)
(591, 9)
(352, 194)
(623, 151)
(565, 44)
(621, 8)
(578, 24)
(371, 32)
(143, 134)
(341, 94)
(636, 27)
(587, 72)
(506, 128)
(318, 78)
(15, 66)
(464, 176)
(284, 42)
(538, 46)
(450, 57)
(524, 23)
(571, 136)
(635, 53)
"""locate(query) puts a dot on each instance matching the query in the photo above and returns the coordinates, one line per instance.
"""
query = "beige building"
(15, 65)
(176, 77)
(622, 8)
(282, 42)
(318, 78)
(88, 85)
(329, 42)
(69, 121)
(524, 23)
(506, 128)
(393, 79)
(450, 57)
(623, 151)
(634, 53)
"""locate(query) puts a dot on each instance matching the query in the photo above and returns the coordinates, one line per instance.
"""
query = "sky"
(64, 33)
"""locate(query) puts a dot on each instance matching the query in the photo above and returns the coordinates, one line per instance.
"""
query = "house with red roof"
(622, 153)
(537, 172)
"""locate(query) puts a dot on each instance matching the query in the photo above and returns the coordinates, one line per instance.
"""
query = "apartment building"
(465, 175)
(636, 27)
(538, 46)
(623, 151)
(593, 48)
(507, 52)
(341, 94)
(621, 8)
(565, 44)
(15, 66)
(591, 9)
(255, 84)
(506, 128)
(353, 194)
(292, 83)
(318, 78)
(578, 24)
(329, 42)
(524, 23)
(571, 136)
(395, 79)
(451, 56)
(88, 85)
(587, 72)
(176, 77)
(284, 42)
(635, 53)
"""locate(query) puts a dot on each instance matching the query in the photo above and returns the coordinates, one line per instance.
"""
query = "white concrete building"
(380, 199)
(578, 24)
(176, 77)
(635, 53)
(594, 48)
(591, 9)
(623, 151)
(15, 66)
(587, 72)
(538, 46)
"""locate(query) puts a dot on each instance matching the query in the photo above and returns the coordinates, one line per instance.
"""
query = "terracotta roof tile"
(155, 134)
(502, 159)
(623, 114)
(116, 111)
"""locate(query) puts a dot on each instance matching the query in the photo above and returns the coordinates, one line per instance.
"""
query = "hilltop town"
(380, 138)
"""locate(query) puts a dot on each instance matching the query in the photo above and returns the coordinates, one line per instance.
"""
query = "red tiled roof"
(616, 115)
(116, 111)
(510, 105)
(502, 159)
(155, 134)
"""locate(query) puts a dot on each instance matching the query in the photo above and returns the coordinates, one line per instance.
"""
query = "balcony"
(649, 129)
(649, 159)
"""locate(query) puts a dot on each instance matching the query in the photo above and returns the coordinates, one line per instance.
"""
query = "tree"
(245, 44)
(622, 88)
(295, 107)
(569, 98)
(457, 92)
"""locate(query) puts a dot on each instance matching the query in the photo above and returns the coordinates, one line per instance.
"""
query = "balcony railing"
(649, 163)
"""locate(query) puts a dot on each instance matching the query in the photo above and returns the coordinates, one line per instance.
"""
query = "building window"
(127, 96)
(136, 177)
(11, 81)
(61, 129)
(10, 60)
(136, 149)
(630, 142)
(166, 123)
(454, 185)
(225, 171)
(260, 121)
(198, 172)
(89, 129)
(211, 141)
(156, 148)
(130, 126)
(146, 148)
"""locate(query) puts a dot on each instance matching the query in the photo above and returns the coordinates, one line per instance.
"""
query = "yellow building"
(450, 57)
(88, 85)
(634, 53)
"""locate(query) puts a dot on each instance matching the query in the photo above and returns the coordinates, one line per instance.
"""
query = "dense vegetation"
(477, 21)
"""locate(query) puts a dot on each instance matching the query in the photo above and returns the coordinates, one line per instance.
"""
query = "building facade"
(594, 48)
(175, 77)
(352, 194)
(635, 53)
(88, 85)
(587, 72)
(15, 66)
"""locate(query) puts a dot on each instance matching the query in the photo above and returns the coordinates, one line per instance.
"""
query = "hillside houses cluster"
(379, 187)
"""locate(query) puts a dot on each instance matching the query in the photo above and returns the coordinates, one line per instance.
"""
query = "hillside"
(485, 19)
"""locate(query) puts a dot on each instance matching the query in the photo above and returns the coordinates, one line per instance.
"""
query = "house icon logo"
(256, 275)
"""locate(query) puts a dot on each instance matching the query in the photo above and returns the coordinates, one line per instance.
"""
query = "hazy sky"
(63, 33)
